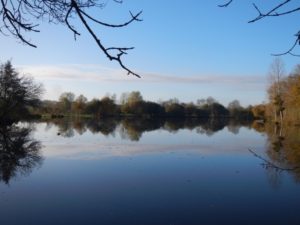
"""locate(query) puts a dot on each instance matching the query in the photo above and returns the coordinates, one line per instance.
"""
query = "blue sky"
(185, 49)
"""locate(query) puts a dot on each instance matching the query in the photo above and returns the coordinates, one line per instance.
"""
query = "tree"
(292, 96)
(65, 100)
(234, 108)
(279, 9)
(153, 109)
(79, 104)
(107, 107)
(210, 100)
(93, 107)
(18, 16)
(235, 104)
(17, 93)
(259, 111)
(132, 103)
(134, 97)
(217, 110)
(275, 91)
(174, 109)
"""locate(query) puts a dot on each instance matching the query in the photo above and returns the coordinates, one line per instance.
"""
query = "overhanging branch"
(16, 16)
(226, 4)
(275, 11)
(121, 51)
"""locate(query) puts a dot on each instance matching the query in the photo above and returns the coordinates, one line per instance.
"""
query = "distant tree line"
(132, 104)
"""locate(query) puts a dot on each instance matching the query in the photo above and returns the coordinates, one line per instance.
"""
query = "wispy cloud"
(204, 79)
(89, 72)
(70, 72)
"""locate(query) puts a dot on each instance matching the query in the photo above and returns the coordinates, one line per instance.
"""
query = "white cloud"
(90, 72)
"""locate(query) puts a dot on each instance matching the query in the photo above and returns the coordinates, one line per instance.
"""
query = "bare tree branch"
(111, 57)
(226, 4)
(271, 12)
(134, 18)
(290, 50)
(14, 24)
(17, 15)
(68, 24)
(275, 11)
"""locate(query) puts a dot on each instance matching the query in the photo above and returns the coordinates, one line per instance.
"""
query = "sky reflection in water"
(163, 176)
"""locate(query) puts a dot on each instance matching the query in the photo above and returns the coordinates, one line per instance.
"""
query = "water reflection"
(282, 149)
(133, 128)
(19, 153)
(182, 178)
(105, 127)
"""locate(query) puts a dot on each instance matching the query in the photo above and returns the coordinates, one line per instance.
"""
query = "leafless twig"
(17, 15)
(275, 11)
(226, 4)
(121, 51)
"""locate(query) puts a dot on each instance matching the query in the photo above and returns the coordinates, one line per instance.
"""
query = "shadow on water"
(19, 152)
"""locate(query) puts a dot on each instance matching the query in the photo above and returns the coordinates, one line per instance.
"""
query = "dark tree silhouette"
(17, 93)
(18, 16)
(280, 9)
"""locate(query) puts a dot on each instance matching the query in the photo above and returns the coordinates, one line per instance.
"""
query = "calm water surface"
(130, 172)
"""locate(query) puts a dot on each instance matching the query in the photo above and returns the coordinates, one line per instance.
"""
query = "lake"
(144, 172)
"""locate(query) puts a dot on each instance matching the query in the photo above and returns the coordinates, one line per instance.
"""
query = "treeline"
(133, 104)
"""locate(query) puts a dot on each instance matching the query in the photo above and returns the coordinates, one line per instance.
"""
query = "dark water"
(148, 172)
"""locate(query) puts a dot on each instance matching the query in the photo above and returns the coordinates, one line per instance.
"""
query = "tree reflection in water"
(19, 152)
(133, 128)
(282, 149)
(105, 127)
